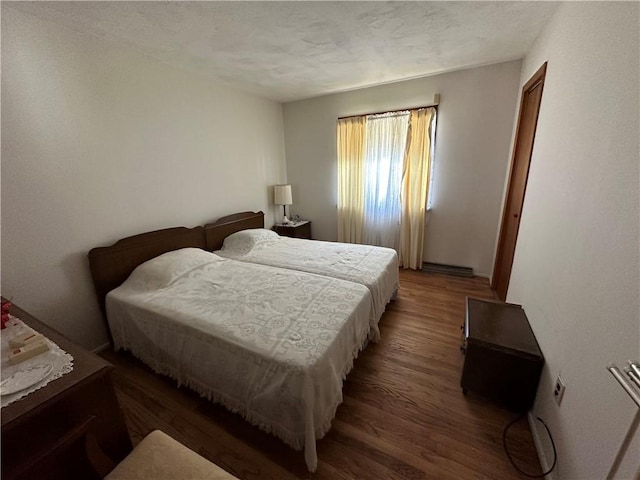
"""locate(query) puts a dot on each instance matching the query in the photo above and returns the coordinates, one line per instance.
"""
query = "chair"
(160, 457)
(157, 457)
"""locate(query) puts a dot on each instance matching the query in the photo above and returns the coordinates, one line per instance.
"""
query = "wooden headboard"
(111, 266)
(216, 232)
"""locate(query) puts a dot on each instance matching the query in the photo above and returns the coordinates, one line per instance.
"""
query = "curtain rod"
(389, 111)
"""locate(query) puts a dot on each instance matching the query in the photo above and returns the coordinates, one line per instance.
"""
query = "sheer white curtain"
(386, 139)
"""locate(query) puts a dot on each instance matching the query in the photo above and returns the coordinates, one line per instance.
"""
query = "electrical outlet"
(558, 390)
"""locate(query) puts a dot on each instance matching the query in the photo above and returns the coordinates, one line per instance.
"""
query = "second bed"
(242, 237)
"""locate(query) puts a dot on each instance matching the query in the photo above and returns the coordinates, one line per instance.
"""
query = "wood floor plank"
(403, 415)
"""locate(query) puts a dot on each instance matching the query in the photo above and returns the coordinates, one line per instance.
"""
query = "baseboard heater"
(447, 269)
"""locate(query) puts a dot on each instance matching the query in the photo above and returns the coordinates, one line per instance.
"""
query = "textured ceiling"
(294, 50)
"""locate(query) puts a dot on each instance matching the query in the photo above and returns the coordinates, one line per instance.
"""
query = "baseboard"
(544, 461)
(101, 348)
(447, 269)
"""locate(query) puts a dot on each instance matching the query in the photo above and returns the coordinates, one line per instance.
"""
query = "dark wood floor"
(403, 416)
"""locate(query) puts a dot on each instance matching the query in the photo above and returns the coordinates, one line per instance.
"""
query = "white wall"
(475, 120)
(98, 143)
(576, 268)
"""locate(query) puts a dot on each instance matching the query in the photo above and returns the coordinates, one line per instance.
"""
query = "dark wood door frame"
(519, 171)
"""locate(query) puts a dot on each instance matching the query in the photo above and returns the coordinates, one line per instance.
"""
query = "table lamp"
(282, 194)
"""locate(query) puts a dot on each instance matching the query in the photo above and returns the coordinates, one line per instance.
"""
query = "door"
(522, 149)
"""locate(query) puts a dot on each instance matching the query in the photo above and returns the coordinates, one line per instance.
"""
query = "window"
(384, 165)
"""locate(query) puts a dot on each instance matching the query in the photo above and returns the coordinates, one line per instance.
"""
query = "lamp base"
(285, 220)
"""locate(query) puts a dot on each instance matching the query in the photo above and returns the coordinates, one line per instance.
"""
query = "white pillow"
(244, 240)
(162, 271)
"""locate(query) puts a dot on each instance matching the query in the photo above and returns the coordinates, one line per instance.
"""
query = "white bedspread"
(271, 344)
(374, 267)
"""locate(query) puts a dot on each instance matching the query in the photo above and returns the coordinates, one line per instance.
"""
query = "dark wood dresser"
(502, 360)
(301, 229)
(32, 425)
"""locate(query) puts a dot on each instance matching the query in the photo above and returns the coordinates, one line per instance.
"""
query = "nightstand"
(301, 229)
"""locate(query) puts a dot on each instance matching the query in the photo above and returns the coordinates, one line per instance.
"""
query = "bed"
(242, 237)
(273, 345)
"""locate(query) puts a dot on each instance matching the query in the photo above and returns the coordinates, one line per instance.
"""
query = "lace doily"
(60, 361)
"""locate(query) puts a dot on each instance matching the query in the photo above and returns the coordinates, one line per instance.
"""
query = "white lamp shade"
(282, 194)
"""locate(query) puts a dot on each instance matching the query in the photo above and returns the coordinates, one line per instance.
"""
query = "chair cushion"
(160, 457)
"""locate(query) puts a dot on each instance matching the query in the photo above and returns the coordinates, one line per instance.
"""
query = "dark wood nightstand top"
(299, 223)
(300, 229)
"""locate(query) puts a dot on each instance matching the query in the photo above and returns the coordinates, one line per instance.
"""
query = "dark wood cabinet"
(502, 360)
(301, 229)
(33, 425)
